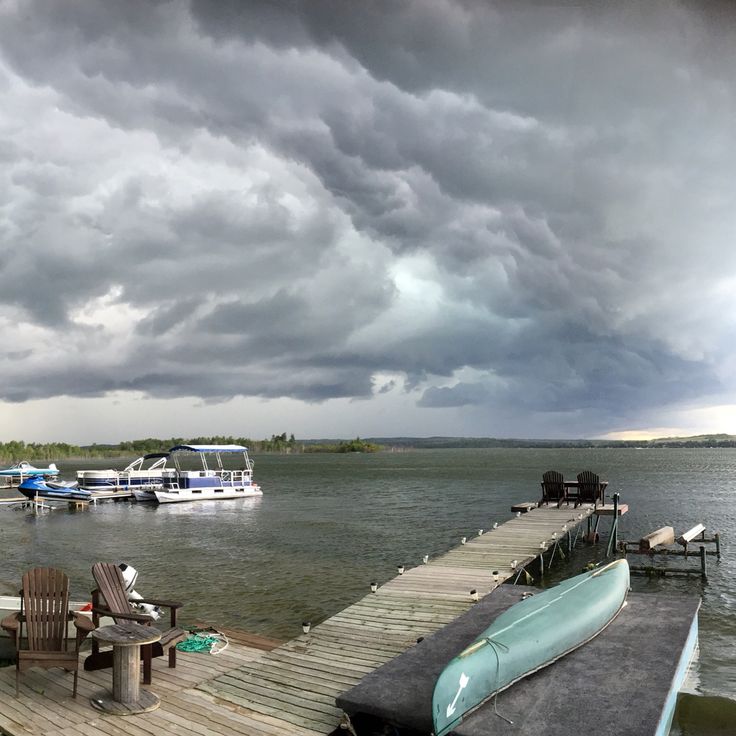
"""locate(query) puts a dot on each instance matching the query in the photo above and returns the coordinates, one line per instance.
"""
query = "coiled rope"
(210, 641)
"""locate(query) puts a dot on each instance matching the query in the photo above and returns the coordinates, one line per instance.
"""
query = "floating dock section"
(624, 682)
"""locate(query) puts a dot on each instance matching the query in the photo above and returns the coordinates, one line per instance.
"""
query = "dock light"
(495, 576)
(374, 587)
(306, 626)
(400, 569)
(463, 540)
(518, 514)
(480, 532)
(495, 525)
(554, 535)
(514, 563)
(474, 595)
(425, 559)
(580, 516)
(564, 527)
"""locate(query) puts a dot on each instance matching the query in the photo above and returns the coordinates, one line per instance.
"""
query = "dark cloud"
(510, 207)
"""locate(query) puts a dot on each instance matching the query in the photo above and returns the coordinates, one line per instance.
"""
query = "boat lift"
(658, 544)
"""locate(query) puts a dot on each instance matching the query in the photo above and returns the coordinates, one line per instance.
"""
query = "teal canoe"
(528, 636)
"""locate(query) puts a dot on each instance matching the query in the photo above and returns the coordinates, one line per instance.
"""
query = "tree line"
(17, 450)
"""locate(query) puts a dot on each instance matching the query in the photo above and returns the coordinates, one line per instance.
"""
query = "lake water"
(329, 524)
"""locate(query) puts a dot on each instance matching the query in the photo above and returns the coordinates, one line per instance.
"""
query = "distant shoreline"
(15, 451)
(423, 443)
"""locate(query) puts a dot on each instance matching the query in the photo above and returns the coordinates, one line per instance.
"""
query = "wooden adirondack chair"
(111, 589)
(553, 488)
(590, 488)
(39, 630)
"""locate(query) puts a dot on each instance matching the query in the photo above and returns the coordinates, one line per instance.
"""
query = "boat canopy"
(208, 448)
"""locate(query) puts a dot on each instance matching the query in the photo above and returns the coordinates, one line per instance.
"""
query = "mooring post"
(613, 539)
(717, 538)
(703, 558)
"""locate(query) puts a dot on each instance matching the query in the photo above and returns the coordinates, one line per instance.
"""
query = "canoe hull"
(528, 637)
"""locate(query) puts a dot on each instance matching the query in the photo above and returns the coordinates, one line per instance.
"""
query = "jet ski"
(37, 487)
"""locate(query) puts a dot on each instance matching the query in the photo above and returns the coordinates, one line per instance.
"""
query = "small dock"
(646, 649)
(41, 503)
(291, 688)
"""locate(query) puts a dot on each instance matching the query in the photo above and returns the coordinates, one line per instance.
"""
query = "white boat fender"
(130, 575)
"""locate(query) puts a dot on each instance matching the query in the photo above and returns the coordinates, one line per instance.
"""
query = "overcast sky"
(428, 217)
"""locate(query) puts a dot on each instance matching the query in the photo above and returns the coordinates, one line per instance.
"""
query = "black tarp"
(616, 684)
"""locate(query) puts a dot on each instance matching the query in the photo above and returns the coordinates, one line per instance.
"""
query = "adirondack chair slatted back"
(45, 601)
(553, 486)
(109, 579)
(589, 487)
(39, 630)
(111, 586)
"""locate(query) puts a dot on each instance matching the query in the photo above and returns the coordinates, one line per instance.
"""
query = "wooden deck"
(291, 689)
(298, 681)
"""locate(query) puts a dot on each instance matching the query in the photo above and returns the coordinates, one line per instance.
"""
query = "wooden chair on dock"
(553, 488)
(590, 489)
(111, 588)
(39, 629)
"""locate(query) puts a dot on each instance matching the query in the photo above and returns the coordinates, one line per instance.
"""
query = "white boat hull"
(206, 494)
(144, 495)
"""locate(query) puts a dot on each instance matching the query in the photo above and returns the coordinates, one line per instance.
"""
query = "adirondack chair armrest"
(82, 623)
(11, 623)
(140, 617)
(164, 604)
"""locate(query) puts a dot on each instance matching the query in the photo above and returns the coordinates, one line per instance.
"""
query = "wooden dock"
(41, 503)
(291, 689)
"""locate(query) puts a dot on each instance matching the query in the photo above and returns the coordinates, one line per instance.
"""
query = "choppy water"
(329, 524)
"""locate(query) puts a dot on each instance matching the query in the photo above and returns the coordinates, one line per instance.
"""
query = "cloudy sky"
(332, 218)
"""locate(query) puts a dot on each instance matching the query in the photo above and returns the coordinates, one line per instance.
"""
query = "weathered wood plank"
(303, 717)
(665, 535)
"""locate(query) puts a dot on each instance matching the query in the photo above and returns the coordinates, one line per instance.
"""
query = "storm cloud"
(512, 210)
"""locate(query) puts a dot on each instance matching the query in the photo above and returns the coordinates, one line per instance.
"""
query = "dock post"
(613, 540)
(717, 538)
(614, 531)
(703, 558)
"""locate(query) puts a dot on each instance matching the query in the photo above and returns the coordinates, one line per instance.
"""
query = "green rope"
(201, 641)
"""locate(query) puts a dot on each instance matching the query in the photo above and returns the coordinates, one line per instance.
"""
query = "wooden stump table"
(127, 696)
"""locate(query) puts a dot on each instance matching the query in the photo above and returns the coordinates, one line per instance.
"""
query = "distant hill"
(698, 440)
(703, 440)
